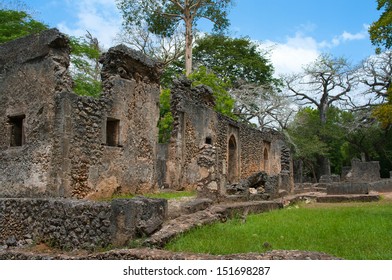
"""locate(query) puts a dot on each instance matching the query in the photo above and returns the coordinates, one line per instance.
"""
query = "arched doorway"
(232, 174)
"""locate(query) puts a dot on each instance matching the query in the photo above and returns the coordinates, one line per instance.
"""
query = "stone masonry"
(70, 224)
(209, 151)
(57, 144)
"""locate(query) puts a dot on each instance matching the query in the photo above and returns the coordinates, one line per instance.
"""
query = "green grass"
(358, 231)
(165, 195)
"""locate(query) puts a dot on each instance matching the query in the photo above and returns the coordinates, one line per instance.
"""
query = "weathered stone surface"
(69, 224)
(69, 145)
(211, 151)
(196, 205)
(384, 185)
(363, 171)
(327, 179)
(215, 213)
(155, 254)
(348, 198)
(348, 188)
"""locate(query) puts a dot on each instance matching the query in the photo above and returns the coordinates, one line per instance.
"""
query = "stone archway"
(232, 174)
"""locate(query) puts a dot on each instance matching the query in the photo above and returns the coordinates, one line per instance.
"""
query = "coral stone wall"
(210, 150)
(70, 224)
(57, 144)
(33, 70)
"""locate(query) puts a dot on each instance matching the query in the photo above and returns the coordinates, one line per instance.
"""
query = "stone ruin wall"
(66, 152)
(77, 224)
(128, 165)
(30, 78)
(198, 153)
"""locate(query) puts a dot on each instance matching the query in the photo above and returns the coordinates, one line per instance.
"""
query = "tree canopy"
(235, 60)
(381, 30)
(15, 24)
(164, 16)
(86, 70)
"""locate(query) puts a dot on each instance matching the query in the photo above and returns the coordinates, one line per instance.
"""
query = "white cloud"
(299, 50)
(292, 55)
(100, 17)
(347, 37)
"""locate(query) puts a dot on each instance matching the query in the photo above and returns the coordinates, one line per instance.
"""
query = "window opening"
(112, 132)
(17, 130)
(209, 140)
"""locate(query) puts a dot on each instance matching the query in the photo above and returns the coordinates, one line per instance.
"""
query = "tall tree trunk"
(188, 43)
(324, 165)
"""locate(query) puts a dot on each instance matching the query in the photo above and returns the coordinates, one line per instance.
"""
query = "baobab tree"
(322, 84)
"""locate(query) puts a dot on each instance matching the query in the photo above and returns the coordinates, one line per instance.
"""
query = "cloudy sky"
(296, 31)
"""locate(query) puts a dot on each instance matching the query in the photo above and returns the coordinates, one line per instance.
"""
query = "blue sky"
(296, 31)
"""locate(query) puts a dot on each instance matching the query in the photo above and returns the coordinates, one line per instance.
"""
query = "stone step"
(216, 213)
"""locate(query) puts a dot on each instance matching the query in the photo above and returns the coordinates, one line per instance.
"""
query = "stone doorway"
(232, 175)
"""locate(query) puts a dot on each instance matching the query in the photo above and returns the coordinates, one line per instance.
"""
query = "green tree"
(236, 60)
(224, 103)
(164, 16)
(247, 68)
(383, 112)
(86, 69)
(312, 140)
(16, 24)
(324, 83)
(372, 143)
(381, 30)
(377, 77)
(165, 123)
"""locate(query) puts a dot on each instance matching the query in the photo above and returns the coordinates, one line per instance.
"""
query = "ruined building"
(54, 143)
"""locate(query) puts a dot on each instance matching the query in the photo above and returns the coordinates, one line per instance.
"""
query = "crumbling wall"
(207, 150)
(193, 125)
(56, 143)
(33, 70)
(363, 171)
(70, 224)
(122, 158)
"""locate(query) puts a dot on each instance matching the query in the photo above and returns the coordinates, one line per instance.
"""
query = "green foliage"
(163, 16)
(374, 143)
(381, 30)
(383, 112)
(86, 86)
(224, 103)
(311, 139)
(16, 24)
(165, 123)
(359, 231)
(236, 60)
(85, 66)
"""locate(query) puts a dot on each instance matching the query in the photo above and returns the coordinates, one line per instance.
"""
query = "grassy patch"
(359, 231)
(165, 195)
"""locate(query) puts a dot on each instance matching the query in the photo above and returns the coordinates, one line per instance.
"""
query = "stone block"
(196, 205)
(136, 217)
(384, 185)
(348, 188)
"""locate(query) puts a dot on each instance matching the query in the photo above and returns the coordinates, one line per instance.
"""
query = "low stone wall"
(384, 185)
(348, 188)
(70, 224)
